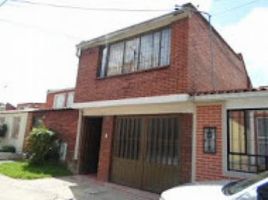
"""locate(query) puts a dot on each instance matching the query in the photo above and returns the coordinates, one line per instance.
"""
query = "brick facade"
(106, 148)
(65, 123)
(186, 147)
(209, 166)
(227, 69)
(190, 68)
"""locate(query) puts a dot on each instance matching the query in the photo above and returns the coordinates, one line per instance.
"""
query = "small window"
(116, 59)
(103, 61)
(59, 101)
(146, 51)
(165, 47)
(70, 99)
(131, 56)
(16, 127)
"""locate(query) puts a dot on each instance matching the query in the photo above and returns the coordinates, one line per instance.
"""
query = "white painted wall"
(8, 139)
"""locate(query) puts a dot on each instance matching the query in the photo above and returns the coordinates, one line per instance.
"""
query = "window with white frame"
(70, 99)
(59, 101)
(139, 53)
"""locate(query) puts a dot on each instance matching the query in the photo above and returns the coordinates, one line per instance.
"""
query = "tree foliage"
(41, 143)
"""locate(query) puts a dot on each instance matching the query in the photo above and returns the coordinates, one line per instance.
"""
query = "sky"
(37, 42)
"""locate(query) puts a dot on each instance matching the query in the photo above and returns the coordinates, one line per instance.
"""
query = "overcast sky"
(37, 43)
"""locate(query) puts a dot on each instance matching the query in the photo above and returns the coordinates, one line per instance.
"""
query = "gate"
(146, 152)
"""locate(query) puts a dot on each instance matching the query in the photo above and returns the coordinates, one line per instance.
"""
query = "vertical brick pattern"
(106, 148)
(228, 71)
(64, 122)
(186, 148)
(209, 166)
(163, 81)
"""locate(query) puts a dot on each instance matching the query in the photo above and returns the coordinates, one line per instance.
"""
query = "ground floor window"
(248, 140)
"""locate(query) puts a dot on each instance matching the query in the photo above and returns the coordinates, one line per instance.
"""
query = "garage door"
(146, 152)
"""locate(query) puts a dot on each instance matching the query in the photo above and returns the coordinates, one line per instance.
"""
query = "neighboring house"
(25, 106)
(7, 106)
(144, 118)
(62, 98)
(18, 124)
(57, 115)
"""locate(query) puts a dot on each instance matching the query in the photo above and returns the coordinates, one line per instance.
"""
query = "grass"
(24, 170)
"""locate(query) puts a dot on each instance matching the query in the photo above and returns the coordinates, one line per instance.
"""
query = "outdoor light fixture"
(210, 140)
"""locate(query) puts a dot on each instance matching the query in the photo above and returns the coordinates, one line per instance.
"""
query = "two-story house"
(135, 91)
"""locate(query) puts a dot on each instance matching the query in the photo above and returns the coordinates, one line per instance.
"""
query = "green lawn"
(23, 170)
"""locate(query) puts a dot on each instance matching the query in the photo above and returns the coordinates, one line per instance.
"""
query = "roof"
(60, 90)
(51, 109)
(136, 29)
(260, 89)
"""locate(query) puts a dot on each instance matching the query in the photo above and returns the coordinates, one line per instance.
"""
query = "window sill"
(135, 72)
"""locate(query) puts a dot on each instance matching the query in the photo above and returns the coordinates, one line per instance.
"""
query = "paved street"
(67, 188)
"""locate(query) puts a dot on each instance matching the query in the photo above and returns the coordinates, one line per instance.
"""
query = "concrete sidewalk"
(68, 188)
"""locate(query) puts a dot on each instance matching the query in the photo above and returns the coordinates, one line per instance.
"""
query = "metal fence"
(247, 140)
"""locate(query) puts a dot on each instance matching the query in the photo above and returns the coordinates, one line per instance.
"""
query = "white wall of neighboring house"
(15, 135)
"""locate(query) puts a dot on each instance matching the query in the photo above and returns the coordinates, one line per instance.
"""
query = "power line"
(87, 8)
(1, 4)
(234, 8)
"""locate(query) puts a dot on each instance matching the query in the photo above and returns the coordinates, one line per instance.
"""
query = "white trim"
(229, 96)
(193, 174)
(134, 101)
(133, 30)
(78, 135)
(244, 103)
(60, 90)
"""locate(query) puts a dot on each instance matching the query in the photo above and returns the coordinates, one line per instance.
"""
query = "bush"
(8, 148)
(41, 143)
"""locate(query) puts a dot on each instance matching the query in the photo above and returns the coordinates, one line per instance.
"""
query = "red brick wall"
(169, 80)
(209, 166)
(185, 148)
(106, 148)
(64, 122)
(190, 69)
(228, 71)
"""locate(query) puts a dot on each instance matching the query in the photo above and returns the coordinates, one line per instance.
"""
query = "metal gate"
(146, 152)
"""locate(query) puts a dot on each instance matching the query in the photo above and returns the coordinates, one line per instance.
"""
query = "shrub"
(41, 143)
(8, 148)
(3, 130)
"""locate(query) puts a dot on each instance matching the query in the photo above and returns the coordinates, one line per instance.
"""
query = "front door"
(91, 137)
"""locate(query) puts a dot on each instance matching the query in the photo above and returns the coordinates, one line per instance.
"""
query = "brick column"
(209, 166)
(106, 148)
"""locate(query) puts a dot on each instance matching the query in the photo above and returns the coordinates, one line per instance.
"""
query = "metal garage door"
(146, 152)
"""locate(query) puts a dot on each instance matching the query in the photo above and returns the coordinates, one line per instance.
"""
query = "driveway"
(68, 188)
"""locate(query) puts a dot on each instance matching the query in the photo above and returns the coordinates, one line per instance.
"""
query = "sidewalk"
(68, 188)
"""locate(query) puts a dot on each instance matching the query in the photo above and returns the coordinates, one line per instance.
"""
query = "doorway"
(90, 145)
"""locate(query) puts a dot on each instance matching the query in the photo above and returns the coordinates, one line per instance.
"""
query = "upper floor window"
(70, 99)
(59, 101)
(139, 53)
